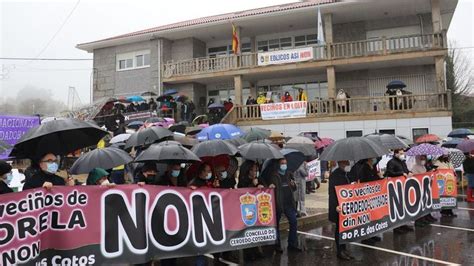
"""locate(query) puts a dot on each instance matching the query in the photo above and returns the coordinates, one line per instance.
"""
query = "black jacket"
(396, 167)
(165, 180)
(228, 182)
(283, 193)
(337, 178)
(367, 173)
(4, 189)
(468, 165)
(38, 179)
(151, 180)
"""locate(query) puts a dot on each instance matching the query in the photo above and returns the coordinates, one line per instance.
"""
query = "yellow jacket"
(261, 99)
(303, 97)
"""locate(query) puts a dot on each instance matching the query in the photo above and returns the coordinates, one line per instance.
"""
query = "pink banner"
(131, 224)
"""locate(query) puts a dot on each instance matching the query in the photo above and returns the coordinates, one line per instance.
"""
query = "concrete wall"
(109, 82)
(440, 126)
(187, 48)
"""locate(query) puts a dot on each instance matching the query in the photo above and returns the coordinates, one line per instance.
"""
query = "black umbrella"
(147, 136)
(106, 158)
(256, 133)
(215, 106)
(59, 137)
(149, 93)
(178, 128)
(460, 133)
(353, 149)
(396, 84)
(388, 141)
(259, 151)
(306, 149)
(214, 148)
(167, 152)
(293, 158)
(236, 141)
(4, 146)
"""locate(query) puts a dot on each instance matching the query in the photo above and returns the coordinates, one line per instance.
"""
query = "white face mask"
(347, 168)
(105, 182)
(401, 157)
(423, 162)
(224, 174)
(208, 176)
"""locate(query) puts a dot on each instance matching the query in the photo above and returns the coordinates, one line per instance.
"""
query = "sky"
(33, 29)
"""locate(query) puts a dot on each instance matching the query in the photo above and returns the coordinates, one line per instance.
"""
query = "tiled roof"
(222, 17)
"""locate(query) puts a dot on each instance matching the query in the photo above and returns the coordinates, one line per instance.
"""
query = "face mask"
(373, 161)
(257, 174)
(8, 178)
(429, 157)
(283, 167)
(347, 168)
(183, 165)
(105, 182)
(52, 168)
(401, 157)
(208, 176)
(175, 173)
(423, 162)
(224, 174)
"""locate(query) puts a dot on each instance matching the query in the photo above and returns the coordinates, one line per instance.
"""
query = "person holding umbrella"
(282, 181)
(46, 176)
(468, 167)
(172, 177)
(397, 167)
(340, 176)
(5, 177)
(147, 174)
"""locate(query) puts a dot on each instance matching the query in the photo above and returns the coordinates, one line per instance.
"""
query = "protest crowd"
(72, 152)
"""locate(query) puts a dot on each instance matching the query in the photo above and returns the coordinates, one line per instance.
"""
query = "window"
(354, 133)
(262, 46)
(274, 44)
(418, 132)
(305, 40)
(387, 131)
(246, 48)
(128, 61)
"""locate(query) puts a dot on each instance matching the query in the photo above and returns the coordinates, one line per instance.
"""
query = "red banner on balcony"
(283, 110)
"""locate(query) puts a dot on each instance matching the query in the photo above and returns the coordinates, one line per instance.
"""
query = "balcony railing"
(410, 103)
(377, 46)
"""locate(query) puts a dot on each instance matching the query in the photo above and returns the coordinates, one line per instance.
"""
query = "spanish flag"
(235, 40)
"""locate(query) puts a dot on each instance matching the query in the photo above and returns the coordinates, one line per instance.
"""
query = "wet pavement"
(448, 241)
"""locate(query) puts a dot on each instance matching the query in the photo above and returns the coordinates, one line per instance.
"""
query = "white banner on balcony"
(283, 110)
(285, 56)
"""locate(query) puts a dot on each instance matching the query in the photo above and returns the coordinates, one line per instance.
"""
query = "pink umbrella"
(323, 142)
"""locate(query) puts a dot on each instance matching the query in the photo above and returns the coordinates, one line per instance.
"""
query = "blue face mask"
(209, 176)
(257, 174)
(175, 173)
(9, 179)
(52, 168)
(283, 167)
(224, 174)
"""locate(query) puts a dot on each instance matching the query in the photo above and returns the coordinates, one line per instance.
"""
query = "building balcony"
(357, 108)
(330, 53)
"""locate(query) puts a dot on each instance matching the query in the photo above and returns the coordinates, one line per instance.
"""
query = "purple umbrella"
(425, 149)
(466, 145)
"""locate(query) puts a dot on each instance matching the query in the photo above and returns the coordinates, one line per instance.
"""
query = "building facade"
(366, 45)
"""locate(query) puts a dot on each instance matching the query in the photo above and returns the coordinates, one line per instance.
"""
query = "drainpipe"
(160, 53)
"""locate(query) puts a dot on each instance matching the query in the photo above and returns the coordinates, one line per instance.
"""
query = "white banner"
(314, 169)
(283, 110)
(285, 56)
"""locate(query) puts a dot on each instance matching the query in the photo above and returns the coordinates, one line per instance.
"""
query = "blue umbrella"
(220, 131)
(135, 98)
(135, 124)
(170, 92)
(215, 106)
(396, 84)
(452, 143)
(460, 133)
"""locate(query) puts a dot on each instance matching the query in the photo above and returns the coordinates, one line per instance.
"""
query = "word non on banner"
(283, 110)
(129, 224)
(12, 129)
(285, 56)
(314, 169)
(370, 208)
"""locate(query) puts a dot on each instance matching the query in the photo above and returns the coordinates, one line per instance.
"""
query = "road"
(449, 241)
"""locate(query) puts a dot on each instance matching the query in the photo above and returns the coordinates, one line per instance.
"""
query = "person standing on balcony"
(261, 99)
(228, 105)
(287, 97)
(302, 95)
